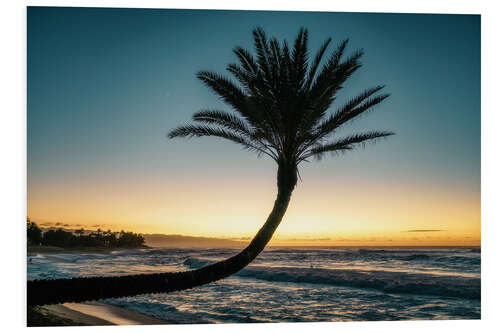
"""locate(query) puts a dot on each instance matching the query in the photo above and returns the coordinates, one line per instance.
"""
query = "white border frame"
(13, 148)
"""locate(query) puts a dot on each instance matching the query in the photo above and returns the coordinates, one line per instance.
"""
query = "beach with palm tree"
(363, 257)
(281, 112)
(287, 284)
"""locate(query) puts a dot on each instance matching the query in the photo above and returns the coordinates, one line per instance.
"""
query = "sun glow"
(98, 155)
(380, 214)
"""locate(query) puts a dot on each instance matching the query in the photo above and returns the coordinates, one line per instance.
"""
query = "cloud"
(423, 230)
(305, 239)
(341, 239)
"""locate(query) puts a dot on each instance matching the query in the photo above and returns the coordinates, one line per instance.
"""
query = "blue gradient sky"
(106, 85)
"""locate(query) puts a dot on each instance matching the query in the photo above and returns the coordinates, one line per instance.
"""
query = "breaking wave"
(386, 281)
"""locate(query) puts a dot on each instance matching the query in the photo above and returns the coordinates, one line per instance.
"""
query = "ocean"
(288, 284)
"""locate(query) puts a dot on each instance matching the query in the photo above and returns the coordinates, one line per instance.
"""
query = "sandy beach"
(91, 313)
(95, 313)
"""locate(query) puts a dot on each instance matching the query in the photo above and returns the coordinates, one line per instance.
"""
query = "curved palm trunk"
(42, 292)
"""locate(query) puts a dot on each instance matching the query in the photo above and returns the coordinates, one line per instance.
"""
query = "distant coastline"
(182, 241)
(96, 240)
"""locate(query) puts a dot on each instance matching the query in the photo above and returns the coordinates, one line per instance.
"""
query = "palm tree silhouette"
(280, 110)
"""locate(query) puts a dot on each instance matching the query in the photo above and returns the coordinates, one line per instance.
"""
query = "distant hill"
(180, 241)
(44, 229)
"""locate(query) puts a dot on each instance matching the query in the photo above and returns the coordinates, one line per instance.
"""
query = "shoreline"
(87, 313)
(454, 291)
(98, 314)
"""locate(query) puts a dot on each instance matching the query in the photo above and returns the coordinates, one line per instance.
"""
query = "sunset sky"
(105, 86)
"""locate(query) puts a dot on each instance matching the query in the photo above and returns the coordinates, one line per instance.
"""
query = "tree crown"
(281, 101)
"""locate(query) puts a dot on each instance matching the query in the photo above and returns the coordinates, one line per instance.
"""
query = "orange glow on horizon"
(379, 215)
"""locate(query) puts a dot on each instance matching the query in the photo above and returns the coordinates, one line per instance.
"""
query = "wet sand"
(95, 313)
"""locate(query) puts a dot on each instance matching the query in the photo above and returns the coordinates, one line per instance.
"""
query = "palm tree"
(281, 109)
(80, 232)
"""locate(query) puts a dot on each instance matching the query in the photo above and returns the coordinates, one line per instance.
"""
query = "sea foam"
(386, 281)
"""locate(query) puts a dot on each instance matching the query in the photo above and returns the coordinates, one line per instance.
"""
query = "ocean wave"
(165, 312)
(373, 251)
(387, 281)
(413, 257)
(64, 257)
(126, 252)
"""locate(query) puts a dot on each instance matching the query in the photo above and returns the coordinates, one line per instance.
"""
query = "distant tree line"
(34, 233)
(98, 238)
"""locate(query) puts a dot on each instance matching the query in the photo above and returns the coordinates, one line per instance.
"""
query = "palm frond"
(316, 62)
(227, 90)
(329, 82)
(275, 62)
(246, 59)
(244, 77)
(344, 144)
(326, 72)
(281, 99)
(299, 60)
(189, 131)
(263, 53)
(224, 119)
(349, 111)
(241, 103)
